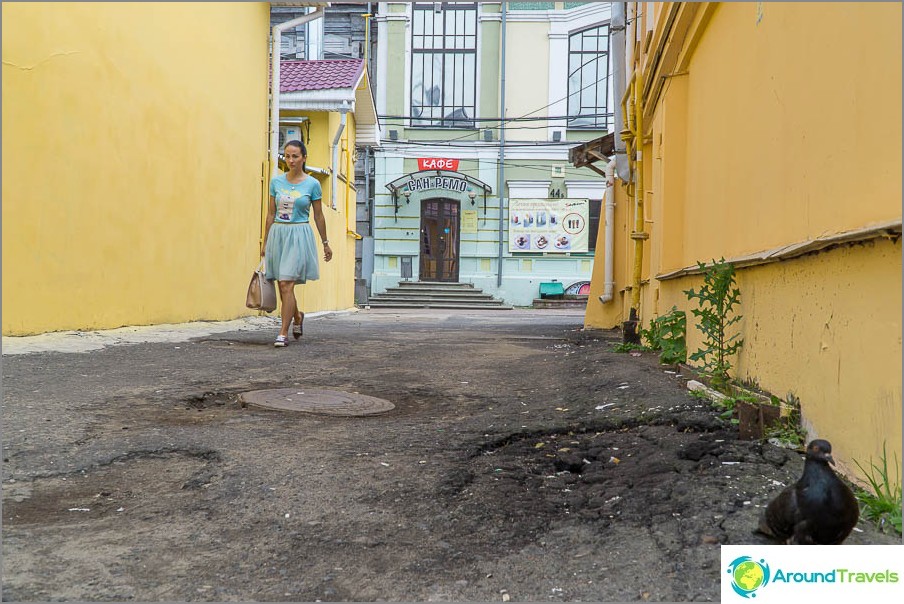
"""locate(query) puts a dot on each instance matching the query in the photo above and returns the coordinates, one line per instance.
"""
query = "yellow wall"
(134, 165)
(133, 142)
(773, 133)
(793, 125)
(611, 314)
(826, 328)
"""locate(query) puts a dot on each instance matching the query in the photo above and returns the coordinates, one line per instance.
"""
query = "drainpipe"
(500, 186)
(608, 280)
(276, 46)
(335, 168)
(617, 29)
(631, 332)
(370, 212)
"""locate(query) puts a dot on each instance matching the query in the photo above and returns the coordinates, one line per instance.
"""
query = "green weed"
(628, 347)
(716, 298)
(667, 334)
(788, 429)
(883, 504)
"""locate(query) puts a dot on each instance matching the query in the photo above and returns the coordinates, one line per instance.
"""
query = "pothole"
(136, 485)
(317, 401)
(210, 399)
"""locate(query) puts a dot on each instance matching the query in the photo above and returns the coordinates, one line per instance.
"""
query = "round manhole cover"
(314, 400)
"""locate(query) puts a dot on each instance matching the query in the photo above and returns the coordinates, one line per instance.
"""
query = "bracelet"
(326, 242)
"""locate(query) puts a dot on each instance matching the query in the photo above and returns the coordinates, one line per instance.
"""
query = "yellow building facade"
(135, 165)
(772, 137)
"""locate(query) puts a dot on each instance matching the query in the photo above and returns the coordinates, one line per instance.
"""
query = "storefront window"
(443, 64)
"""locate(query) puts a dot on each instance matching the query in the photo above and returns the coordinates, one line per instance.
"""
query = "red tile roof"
(296, 76)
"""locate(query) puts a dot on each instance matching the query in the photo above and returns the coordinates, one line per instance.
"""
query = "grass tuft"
(883, 505)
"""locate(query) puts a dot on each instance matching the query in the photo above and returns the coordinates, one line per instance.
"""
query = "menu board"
(548, 225)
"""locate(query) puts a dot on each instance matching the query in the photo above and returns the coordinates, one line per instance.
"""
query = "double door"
(440, 222)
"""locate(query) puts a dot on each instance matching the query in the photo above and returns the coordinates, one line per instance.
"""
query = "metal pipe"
(618, 73)
(500, 187)
(638, 235)
(630, 328)
(609, 243)
(370, 215)
(367, 17)
(335, 167)
(275, 47)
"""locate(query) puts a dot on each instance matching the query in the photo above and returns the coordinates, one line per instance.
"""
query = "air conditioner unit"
(288, 133)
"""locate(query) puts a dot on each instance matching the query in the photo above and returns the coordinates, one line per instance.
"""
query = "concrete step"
(566, 303)
(436, 293)
(431, 285)
(462, 306)
(434, 299)
(428, 294)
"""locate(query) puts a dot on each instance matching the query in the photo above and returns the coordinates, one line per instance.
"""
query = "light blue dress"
(291, 252)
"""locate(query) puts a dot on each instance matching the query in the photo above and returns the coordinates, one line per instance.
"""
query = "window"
(444, 64)
(588, 78)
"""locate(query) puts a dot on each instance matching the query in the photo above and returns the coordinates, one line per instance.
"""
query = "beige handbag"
(261, 291)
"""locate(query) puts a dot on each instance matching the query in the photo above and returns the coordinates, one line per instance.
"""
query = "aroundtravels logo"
(748, 575)
(863, 573)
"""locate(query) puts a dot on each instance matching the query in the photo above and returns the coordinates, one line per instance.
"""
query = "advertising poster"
(548, 225)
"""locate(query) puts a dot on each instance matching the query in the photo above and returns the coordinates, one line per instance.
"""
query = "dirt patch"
(105, 489)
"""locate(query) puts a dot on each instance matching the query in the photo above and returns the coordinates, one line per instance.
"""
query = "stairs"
(418, 294)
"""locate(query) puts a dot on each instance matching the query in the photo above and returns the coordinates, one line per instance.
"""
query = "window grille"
(588, 78)
(444, 64)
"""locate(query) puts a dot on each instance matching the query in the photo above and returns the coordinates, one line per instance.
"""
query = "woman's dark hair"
(302, 148)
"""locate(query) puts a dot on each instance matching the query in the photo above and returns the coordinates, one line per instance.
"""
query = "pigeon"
(819, 509)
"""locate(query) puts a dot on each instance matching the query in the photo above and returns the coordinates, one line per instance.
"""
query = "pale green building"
(468, 192)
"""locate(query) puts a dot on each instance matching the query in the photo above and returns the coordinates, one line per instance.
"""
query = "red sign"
(437, 163)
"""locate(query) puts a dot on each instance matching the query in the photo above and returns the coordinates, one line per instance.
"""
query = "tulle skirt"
(291, 253)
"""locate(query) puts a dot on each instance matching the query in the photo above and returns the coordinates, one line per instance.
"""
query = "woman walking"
(289, 249)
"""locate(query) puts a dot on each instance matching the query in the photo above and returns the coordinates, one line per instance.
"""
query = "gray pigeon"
(819, 509)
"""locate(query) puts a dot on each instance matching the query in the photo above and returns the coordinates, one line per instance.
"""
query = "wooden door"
(440, 223)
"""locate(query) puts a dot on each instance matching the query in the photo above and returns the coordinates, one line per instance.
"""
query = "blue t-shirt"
(293, 202)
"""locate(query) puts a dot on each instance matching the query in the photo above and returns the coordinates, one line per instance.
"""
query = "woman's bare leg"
(289, 306)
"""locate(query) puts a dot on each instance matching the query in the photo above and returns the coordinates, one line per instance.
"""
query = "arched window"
(588, 78)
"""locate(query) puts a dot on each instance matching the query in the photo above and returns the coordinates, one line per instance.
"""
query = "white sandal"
(281, 342)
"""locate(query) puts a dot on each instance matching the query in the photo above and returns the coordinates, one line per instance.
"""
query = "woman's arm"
(271, 215)
(317, 207)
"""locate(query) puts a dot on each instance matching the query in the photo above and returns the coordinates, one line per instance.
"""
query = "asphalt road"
(522, 459)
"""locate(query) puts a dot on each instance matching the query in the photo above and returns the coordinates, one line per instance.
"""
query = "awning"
(598, 150)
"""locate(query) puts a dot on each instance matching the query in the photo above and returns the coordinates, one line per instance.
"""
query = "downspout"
(608, 279)
(631, 332)
(618, 74)
(370, 215)
(500, 186)
(276, 46)
(335, 147)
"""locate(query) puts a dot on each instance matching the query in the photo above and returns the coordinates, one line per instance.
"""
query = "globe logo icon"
(748, 575)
